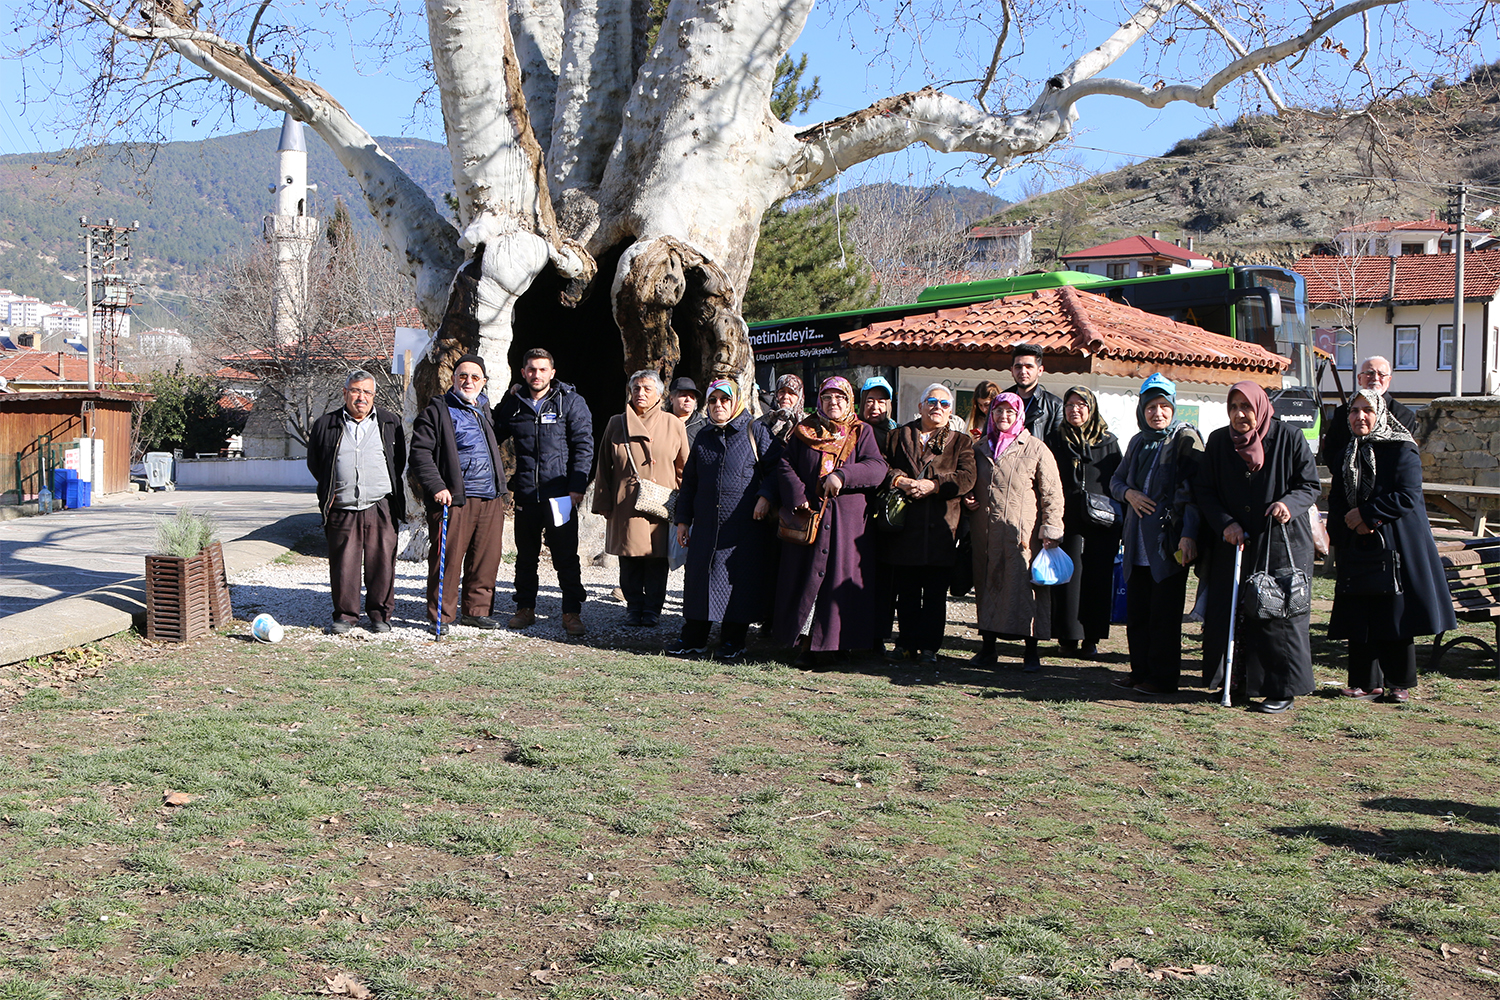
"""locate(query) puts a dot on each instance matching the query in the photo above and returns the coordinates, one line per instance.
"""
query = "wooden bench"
(1473, 571)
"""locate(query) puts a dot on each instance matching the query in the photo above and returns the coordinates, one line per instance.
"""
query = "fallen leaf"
(541, 976)
(345, 986)
(1121, 964)
(1448, 950)
(171, 798)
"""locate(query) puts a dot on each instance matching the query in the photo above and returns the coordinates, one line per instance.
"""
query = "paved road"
(70, 552)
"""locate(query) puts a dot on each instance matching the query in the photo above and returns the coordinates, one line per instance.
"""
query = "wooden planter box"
(186, 598)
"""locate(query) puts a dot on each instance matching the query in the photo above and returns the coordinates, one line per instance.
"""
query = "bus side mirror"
(1270, 298)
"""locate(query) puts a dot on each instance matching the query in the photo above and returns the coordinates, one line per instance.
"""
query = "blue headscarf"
(1158, 386)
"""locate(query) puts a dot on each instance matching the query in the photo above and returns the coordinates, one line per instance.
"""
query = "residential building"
(25, 310)
(1138, 257)
(1384, 238)
(1401, 308)
(62, 319)
(999, 251)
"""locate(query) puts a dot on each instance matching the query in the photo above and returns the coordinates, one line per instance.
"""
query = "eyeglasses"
(1075, 404)
(946, 404)
(1371, 373)
(466, 377)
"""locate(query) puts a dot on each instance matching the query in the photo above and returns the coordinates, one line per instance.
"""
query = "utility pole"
(1459, 225)
(105, 245)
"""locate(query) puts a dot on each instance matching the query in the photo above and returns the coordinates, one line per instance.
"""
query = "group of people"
(842, 530)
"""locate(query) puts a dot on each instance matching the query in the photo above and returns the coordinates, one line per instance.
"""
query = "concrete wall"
(269, 473)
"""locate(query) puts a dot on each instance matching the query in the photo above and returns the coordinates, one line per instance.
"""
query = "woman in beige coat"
(646, 442)
(1017, 510)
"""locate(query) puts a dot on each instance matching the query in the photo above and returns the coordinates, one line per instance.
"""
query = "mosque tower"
(291, 232)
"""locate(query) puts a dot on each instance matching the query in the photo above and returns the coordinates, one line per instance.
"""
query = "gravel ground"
(296, 594)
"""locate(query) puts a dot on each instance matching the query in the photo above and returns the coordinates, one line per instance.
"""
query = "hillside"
(194, 200)
(1272, 189)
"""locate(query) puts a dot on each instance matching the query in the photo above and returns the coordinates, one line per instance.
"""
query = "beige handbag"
(648, 498)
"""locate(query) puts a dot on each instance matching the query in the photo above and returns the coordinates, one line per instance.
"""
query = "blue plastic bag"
(1051, 567)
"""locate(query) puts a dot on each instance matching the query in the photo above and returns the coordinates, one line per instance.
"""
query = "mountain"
(1268, 190)
(195, 201)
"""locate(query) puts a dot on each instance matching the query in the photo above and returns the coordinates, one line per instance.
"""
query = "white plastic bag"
(1051, 567)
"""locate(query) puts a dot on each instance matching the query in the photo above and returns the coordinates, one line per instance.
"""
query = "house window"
(1115, 271)
(1081, 268)
(1343, 349)
(1445, 346)
(1407, 249)
(1406, 355)
(1446, 246)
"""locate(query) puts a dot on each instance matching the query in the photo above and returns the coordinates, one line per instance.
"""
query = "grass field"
(234, 820)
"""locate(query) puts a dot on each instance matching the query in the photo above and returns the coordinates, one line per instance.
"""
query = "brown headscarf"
(1251, 447)
(820, 432)
(1093, 429)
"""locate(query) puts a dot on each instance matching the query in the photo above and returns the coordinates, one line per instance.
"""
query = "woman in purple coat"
(822, 604)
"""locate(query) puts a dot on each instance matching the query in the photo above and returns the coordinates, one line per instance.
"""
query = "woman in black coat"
(1255, 485)
(1087, 455)
(717, 509)
(932, 465)
(1376, 507)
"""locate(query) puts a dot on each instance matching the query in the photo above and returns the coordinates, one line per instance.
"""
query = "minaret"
(290, 232)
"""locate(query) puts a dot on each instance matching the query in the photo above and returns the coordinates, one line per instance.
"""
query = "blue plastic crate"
(72, 495)
(60, 480)
(86, 494)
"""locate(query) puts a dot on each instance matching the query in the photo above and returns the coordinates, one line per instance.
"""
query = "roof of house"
(1136, 246)
(373, 341)
(1414, 277)
(1431, 224)
(1080, 331)
(28, 367)
(992, 232)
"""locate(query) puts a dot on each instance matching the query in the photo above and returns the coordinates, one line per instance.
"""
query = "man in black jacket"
(457, 460)
(357, 454)
(1044, 412)
(553, 435)
(1374, 373)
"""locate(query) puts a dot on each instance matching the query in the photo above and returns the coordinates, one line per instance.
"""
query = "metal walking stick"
(1234, 609)
(437, 628)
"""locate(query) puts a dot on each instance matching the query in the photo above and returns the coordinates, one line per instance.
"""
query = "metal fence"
(22, 474)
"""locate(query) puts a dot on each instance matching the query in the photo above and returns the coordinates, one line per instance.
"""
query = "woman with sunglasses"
(1087, 455)
(933, 468)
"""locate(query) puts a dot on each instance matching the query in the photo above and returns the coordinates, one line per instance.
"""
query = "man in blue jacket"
(553, 435)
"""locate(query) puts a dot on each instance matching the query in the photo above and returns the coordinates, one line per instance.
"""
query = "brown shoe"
(523, 618)
(573, 624)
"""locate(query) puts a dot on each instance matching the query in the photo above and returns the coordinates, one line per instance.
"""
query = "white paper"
(562, 509)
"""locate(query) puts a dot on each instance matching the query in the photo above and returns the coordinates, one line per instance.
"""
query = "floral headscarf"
(1000, 440)
(730, 388)
(1251, 447)
(1359, 455)
(1093, 429)
(821, 432)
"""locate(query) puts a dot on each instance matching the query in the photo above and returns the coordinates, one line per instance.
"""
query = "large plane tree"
(612, 159)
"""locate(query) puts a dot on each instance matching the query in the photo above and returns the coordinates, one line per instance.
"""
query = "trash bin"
(158, 469)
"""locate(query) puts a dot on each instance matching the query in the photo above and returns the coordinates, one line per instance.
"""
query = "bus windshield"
(1293, 339)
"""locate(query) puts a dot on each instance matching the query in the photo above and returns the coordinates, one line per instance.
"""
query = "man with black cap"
(682, 400)
(1044, 411)
(457, 461)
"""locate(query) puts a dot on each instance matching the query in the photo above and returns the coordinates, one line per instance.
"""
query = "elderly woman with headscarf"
(1087, 455)
(932, 466)
(1375, 511)
(645, 443)
(831, 462)
(1017, 508)
(1154, 482)
(716, 512)
(1254, 487)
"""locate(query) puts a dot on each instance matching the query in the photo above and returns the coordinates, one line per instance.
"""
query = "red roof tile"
(1108, 337)
(1430, 224)
(1136, 246)
(36, 367)
(1418, 277)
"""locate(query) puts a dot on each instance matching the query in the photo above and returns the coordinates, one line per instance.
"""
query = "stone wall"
(1459, 438)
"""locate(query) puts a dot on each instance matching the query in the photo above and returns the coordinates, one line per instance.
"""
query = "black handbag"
(1101, 510)
(888, 509)
(1284, 594)
(1368, 570)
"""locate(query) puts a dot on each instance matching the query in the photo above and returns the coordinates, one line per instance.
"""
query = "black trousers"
(883, 583)
(643, 581)
(533, 522)
(731, 634)
(365, 537)
(922, 596)
(1383, 664)
(1153, 627)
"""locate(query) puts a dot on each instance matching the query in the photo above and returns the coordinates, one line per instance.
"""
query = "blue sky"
(857, 62)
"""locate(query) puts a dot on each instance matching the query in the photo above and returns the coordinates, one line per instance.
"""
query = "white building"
(62, 319)
(24, 310)
(1384, 238)
(1137, 257)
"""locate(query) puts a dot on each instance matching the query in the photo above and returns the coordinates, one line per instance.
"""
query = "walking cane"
(437, 628)
(1234, 608)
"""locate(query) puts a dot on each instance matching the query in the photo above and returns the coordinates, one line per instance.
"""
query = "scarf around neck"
(1093, 429)
(1359, 454)
(1251, 447)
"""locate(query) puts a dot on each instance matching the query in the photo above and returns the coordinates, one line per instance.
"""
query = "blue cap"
(876, 382)
(1159, 384)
